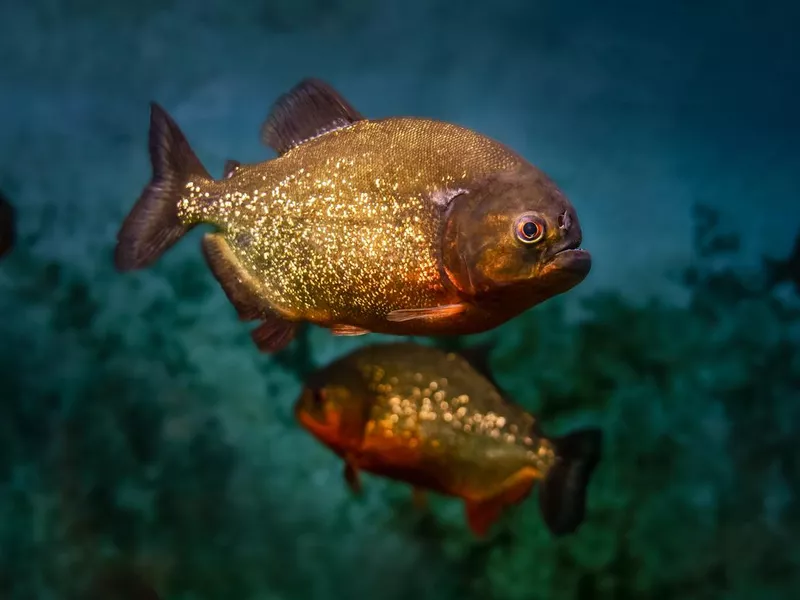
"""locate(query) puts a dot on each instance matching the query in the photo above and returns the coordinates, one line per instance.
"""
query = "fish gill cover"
(150, 433)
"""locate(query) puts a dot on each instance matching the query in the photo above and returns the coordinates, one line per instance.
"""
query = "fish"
(401, 225)
(8, 230)
(432, 419)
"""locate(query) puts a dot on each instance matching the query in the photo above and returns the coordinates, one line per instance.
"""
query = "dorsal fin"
(230, 167)
(308, 110)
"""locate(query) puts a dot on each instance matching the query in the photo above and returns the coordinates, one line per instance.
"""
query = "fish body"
(429, 418)
(7, 227)
(339, 230)
(402, 225)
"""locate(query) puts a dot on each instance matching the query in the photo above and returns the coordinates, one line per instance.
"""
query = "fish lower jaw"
(575, 261)
(572, 254)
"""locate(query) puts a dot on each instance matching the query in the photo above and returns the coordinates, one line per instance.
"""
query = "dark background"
(141, 432)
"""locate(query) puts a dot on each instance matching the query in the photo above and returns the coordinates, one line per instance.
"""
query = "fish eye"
(530, 229)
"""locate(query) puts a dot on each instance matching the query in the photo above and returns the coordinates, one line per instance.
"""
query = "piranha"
(7, 226)
(400, 225)
(432, 419)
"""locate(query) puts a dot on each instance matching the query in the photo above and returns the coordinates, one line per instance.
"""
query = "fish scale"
(434, 420)
(311, 262)
(452, 421)
(403, 225)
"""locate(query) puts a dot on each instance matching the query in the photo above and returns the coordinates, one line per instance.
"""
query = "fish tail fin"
(153, 224)
(562, 494)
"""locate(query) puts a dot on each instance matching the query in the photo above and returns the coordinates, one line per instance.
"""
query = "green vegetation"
(154, 436)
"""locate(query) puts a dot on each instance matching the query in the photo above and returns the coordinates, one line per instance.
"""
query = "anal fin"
(482, 514)
(275, 332)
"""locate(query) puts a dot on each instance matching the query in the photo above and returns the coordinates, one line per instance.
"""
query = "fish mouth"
(308, 422)
(573, 262)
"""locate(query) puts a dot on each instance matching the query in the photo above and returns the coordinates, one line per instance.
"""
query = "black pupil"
(529, 229)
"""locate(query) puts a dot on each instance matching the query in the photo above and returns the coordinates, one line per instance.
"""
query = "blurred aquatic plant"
(152, 435)
(124, 444)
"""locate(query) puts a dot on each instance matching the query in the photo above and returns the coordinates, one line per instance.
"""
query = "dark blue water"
(139, 427)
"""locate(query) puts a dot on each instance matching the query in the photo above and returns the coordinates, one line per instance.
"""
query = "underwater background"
(141, 429)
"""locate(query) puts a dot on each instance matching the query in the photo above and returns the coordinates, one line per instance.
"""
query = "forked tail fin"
(562, 495)
(153, 225)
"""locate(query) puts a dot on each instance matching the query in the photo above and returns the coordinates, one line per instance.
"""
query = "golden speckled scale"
(429, 418)
(448, 424)
(402, 225)
(345, 228)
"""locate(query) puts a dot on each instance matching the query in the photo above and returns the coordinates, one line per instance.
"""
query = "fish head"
(320, 410)
(514, 237)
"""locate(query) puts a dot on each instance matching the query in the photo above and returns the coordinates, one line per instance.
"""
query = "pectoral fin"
(348, 330)
(436, 313)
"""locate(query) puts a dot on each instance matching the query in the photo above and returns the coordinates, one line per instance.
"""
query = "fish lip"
(575, 261)
(571, 257)
(573, 251)
(305, 421)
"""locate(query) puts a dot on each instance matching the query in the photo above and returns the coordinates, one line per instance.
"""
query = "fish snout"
(564, 221)
(570, 231)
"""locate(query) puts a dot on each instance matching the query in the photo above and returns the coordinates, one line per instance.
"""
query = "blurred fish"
(403, 226)
(8, 228)
(427, 417)
(120, 583)
(780, 271)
